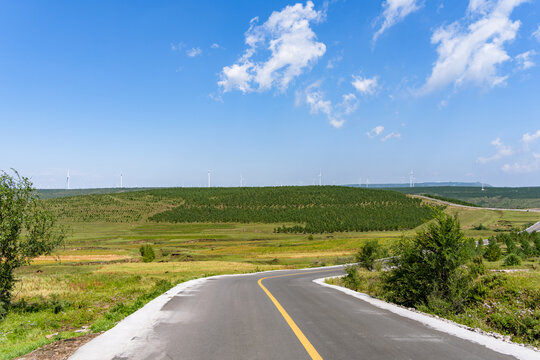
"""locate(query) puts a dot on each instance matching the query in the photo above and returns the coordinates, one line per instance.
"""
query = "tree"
(27, 230)
(430, 265)
(147, 253)
(493, 251)
(370, 251)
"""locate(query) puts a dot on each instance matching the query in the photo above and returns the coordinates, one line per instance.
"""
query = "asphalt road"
(234, 318)
(533, 228)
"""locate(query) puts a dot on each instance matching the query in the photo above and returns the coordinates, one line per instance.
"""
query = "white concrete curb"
(508, 348)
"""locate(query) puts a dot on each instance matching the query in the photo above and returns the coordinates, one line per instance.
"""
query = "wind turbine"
(411, 179)
(209, 178)
(67, 180)
(320, 178)
(121, 185)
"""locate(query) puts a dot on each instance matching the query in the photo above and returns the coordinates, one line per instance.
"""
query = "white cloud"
(349, 103)
(364, 85)
(394, 12)
(524, 60)
(525, 160)
(215, 46)
(236, 77)
(314, 97)
(470, 50)
(391, 135)
(529, 138)
(536, 33)
(502, 151)
(525, 167)
(376, 131)
(194, 52)
(292, 44)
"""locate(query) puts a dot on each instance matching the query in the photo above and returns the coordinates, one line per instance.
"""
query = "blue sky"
(273, 91)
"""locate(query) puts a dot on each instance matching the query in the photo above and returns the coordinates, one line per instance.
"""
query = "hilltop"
(308, 209)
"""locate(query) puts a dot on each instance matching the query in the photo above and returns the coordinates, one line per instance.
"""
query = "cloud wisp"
(392, 135)
(395, 11)
(315, 98)
(292, 44)
(536, 34)
(524, 60)
(526, 158)
(472, 49)
(528, 139)
(193, 52)
(501, 151)
(376, 131)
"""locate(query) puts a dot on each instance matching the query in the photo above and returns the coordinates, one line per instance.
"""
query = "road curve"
(443, 202)
(233, 317)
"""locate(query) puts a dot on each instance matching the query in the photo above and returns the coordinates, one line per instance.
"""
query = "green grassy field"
(97, 277)
(518, 198)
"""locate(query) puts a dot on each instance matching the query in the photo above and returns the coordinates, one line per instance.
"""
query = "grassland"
(97, 278)
(498, 197)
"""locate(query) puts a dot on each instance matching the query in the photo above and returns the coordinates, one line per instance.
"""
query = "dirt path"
(59, 350)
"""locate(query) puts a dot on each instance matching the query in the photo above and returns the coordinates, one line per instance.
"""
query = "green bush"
(352, 279)
(512, 260)
(477, 266)
(147, 253)
(430, 267)
(526, 248)
(492, 251)
(369, 252)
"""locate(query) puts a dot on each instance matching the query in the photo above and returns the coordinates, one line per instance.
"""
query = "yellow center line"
(299, 334)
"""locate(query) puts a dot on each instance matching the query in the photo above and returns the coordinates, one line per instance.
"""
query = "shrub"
(147, 253)
(430, 266)
(352, 279)
(526, 247)
(477, 266)
(493, 251)
(369, 252)
(536, 240)
(512, 260)
(480, 248)
(511, 247)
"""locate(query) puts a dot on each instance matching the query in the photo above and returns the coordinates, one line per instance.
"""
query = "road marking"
(299, 334)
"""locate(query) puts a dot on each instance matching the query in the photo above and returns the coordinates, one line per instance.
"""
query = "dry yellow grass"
(71, 258)
(31, 286)
(185, 267)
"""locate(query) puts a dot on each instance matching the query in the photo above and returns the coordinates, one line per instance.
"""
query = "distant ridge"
(424, 184)
(59, 193)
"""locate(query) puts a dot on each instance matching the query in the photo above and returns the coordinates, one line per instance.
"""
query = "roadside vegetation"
(442, 272)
